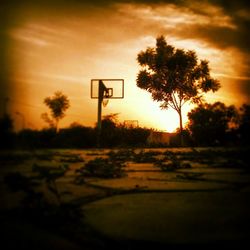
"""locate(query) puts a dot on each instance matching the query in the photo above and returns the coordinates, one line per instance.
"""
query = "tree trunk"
(56, 125)
(181, 129)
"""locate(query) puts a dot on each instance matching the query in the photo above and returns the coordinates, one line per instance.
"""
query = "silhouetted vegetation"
(174, 76)
(217, 125)
(209, 125)
(76, 136)
(145, 157)
(244, 124)
(101, 167)
(43, 202)
(171, 162)
(122, 155)
(114, 134)
(6, 132)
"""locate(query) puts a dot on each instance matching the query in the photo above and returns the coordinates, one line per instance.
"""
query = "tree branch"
(174, 101)
(172, 106)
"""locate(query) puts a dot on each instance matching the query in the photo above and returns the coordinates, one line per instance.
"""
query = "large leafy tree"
(57, 104)
(174, 76)
(210, 124)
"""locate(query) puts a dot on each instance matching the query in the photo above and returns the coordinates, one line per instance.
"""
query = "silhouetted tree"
(27, 139)
(129, 136)
(110, 120)
(174, 76)
(47, 137)
(244, 124)
(57, 104)
(76, 136)
(6, 123)
(116, 134)
(210, 123)
(109, 130)
(186, 137)
(6, 131)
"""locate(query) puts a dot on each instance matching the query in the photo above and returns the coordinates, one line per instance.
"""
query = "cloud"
(228, 20)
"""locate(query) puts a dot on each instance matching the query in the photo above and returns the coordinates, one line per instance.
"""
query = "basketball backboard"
(114, 88)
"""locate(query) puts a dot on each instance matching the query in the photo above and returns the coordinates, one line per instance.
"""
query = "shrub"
(35, 205)
(103, 168)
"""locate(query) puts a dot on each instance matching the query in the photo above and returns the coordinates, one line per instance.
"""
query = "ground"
(165, 197)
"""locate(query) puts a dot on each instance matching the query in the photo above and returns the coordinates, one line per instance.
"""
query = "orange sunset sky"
(48, 46)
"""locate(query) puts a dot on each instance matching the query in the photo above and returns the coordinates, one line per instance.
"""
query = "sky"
(60, 45)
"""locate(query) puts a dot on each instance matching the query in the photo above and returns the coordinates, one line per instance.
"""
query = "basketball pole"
(101, 89)
(97, 85)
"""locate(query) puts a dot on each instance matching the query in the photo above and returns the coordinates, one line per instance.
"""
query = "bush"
(145, 157)
(35, 205)
(103, 168)
(122, 155)
(173, 162)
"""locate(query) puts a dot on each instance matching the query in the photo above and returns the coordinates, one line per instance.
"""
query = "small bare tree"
(57, 104)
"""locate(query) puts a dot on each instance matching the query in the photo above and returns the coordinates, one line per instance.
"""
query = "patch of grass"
(171, 162)
(166, 167)
(146, 157)
(213, 157)
(122, 155)
(73, 158)
(102, 168)
(190, 176)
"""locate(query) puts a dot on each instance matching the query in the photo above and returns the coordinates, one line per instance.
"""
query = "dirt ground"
(204, 202)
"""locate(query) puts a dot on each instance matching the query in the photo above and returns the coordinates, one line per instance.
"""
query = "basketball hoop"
(105, 102)
(103, 90)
